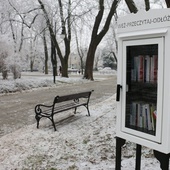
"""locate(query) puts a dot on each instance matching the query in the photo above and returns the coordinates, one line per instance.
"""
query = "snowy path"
(17, 109)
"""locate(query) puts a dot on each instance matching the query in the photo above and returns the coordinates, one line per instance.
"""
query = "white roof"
(143, 20)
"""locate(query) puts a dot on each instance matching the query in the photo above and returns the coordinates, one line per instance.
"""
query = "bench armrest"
(43, 110)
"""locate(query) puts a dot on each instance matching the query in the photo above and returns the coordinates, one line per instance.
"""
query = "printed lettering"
(168, 18)
(145, 22)
(165, 18)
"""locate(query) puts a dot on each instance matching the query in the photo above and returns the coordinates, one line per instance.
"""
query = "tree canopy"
(30, 31)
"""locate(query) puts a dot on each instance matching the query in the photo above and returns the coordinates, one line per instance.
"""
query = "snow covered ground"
(80, 142)
(35, 80)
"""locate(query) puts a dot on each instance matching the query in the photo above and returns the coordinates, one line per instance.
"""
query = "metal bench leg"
(75, 110)
(53, 124)
(87, 110)
(38, 120)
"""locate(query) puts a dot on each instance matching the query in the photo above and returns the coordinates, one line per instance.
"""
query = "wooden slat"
(59, 99)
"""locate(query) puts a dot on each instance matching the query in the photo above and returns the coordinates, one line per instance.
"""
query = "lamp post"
(54, 71)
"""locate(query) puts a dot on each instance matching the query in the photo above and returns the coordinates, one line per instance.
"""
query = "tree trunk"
(31, 65)
(46, 66)
(97, 37)
(88, 74)
(45, 53)
(64, 65)
(54, 58)
(82, 65)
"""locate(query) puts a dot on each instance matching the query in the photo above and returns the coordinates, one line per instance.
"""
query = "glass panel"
(141, 90)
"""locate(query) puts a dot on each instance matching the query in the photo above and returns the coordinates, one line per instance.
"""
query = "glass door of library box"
(142, 88)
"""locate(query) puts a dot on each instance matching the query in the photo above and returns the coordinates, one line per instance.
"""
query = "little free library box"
(143, 82)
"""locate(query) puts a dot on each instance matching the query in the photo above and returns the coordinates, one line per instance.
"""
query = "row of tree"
(27, 26)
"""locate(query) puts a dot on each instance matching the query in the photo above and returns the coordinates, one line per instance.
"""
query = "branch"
(167, 3)
(147, 5)
(31, 11)
(98, 18)
(110, 15)
(52, 34)
(62, 18)
(132, 6)
(22, 17)
(69, 21)
(108, 20)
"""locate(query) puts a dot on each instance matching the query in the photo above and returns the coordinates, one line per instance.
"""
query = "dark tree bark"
(54, 56)
(97, 37)
(31, 65)
(147, 5)
(67, 37)
(46, 53)
(167, 3)
(131, 5)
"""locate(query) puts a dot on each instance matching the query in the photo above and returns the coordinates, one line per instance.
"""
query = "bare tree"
(16, 21)
(97, 37)
(65, 32)
(22, 22)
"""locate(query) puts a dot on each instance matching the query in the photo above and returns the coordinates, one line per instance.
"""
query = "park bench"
(62, 103)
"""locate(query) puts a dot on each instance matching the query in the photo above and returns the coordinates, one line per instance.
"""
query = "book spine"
(155, 67)
(141, 68)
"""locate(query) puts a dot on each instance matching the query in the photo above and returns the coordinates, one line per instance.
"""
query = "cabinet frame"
(160, 141)
(160, 42)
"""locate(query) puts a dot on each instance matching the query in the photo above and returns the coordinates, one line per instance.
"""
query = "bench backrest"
(59, 99)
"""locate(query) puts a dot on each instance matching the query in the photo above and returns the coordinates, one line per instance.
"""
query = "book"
(149, 122)
(144, 68)
(143, 115)
(154, 69)
(141, 68)
(147, 67)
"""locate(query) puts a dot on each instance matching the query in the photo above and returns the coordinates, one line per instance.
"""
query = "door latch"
(118, 92)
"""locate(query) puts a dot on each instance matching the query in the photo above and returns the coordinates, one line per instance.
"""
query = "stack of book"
(143, 115)
(144, 68)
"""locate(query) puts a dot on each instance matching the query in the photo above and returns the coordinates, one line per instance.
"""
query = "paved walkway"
(17, 110)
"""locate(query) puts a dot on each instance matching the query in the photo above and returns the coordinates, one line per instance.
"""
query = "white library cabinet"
(143, 82)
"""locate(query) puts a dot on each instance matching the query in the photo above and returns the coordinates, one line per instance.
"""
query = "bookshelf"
(143, 79)
(141, 88)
